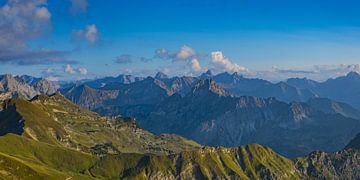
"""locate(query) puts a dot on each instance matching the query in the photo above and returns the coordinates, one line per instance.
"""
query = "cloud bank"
(21, 22)
(220, 61)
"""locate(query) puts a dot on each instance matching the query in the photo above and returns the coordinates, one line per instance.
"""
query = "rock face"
(90, 98)
(339, 165)
(332, 107)
(140, 97)
(26, 86)
(211, 116)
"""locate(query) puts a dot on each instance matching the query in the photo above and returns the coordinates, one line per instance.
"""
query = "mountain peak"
(126, 79)
(207, 74)
(209, 85)
(353, 74)
(6, 76)
(161, 75)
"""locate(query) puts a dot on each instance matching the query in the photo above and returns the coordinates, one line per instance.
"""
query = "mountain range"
(212, 116)
(224, 109)
(48, 137)
(343, 89)
(26, 86)
(295, 89)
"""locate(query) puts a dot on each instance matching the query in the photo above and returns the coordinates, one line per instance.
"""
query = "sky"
(274, 40)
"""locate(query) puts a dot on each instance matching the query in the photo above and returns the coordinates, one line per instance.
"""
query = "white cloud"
(43, 13)
(185, 53)
(317, 72)
(90, 34)
(78, 6)
(69, 69)
(161, 53)
(83, 71)
(195, 65)
(20, 22)
(50, 70)
(123, 59)
(53, 78)
(218, 59)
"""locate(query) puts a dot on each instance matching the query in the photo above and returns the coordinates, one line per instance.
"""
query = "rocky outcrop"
(339, 165)
(26, 86)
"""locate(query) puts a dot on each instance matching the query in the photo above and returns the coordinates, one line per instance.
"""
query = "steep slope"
(332, 107)
(246, 162)
(302, 83)
(121, 79)
(23, 158)
(344, 89)
(8, 83)
(211, 116)
(26, 86)
(120, 99)
(37, 160)
(90, 98)
(57, 121)
(354, 143)
(180, 85)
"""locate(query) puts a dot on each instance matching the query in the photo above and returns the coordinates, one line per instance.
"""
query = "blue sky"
(258, 38)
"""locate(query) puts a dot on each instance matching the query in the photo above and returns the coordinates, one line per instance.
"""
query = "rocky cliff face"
(333, 107)
(140, 97)
(339, 165)
(26, 86)
(90, 98)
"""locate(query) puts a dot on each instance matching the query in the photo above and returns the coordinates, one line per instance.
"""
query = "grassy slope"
(246, 162)
(37, 160)
(57, 121)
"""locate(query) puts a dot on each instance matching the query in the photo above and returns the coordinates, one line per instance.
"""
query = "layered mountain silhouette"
(294, 89)
(210, 115)
(343, 89)
(240, 86)
(214, 113)
(224, 109)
